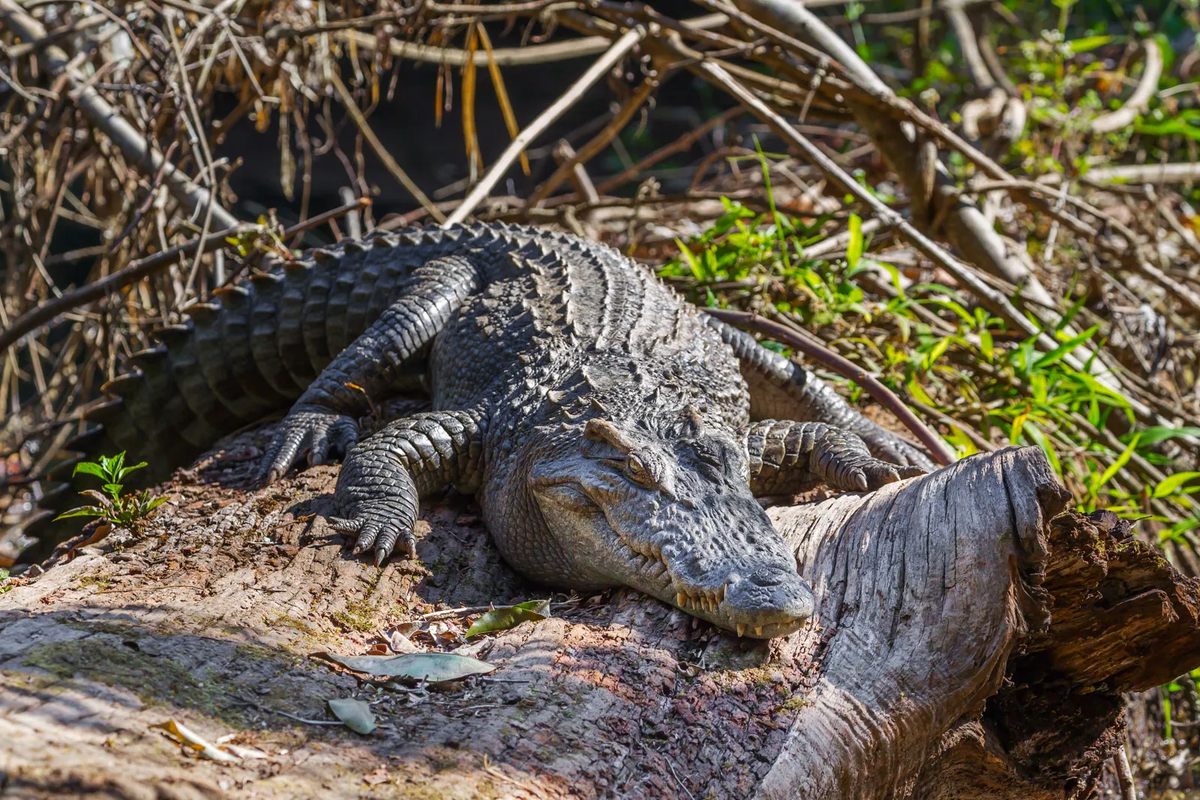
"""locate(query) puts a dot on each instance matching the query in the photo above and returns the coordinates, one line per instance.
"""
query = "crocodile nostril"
(768, 577)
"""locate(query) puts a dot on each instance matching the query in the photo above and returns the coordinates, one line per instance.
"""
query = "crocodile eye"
(637, 471)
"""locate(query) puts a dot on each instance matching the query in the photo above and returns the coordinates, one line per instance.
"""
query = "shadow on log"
(973, 642)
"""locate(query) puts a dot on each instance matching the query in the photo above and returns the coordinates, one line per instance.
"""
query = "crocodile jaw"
(684, 557)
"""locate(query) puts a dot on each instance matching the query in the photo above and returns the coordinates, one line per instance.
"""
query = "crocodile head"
(665, 507)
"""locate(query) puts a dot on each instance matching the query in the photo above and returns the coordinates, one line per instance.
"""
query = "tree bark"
(970, 644)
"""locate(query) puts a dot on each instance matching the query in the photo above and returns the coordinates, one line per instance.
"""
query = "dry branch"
(143, 268)
(598, 142)
(1158, 174)
(1139, 101)
(941, 454)
(510, 56)
(615, 53)
(106, 118)
(394, 168)
(938, 200)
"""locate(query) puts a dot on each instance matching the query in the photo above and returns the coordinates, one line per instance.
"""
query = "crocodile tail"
(245, 355)
(217, 371)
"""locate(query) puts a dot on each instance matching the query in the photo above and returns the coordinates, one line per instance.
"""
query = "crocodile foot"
(379, 524)
(871, 473)
(841, 459)
(317, 430)
(889, 447)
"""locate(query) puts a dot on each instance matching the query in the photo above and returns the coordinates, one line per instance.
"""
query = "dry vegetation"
(987, 206)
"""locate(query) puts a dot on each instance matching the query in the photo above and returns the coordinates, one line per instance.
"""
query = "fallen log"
(973, 641)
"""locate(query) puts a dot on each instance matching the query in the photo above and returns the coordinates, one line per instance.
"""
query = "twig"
(455, 612)
(964, 31)
(507, 56)
(1124, 774)
(597, 143)
(137, 270)
(109, 120)
(80, 25)
(602, 65)
(565, 154)
(142, 268)
(397, 171)
(676, 777)
(1184, 172)
(462, 9)
(995, 301)
(668, 150)
(261, 707)
(1139, 101)
(847, 369)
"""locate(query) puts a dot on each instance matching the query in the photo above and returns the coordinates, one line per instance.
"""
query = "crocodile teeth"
(741, 629)
(758, 630)
(681, 599)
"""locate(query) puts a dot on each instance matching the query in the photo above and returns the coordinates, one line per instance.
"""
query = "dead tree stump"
(970, 644)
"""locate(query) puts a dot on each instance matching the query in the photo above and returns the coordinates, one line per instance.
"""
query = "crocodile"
(612, 433)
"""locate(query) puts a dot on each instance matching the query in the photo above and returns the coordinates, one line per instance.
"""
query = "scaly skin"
(602, 422)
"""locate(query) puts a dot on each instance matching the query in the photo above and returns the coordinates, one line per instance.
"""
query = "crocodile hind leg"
(788, 457)
(385, 474)
(782, 389)
(325, 418)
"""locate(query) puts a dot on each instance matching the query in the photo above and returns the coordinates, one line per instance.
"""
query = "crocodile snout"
(768, 602)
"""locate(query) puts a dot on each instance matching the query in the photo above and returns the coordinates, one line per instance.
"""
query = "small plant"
(109, 503)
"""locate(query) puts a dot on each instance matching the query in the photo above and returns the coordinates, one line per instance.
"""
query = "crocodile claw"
(875, 473)
(377, 525)
(889, 447)
(319, 431)
(857, 471)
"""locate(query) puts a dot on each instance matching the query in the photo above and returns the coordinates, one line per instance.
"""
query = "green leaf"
(113, 489)
(986, 346)
(122, 471)
(153, 504)
(894, 274)
(1087, 43)
(1065, 349)
(1171, 483)
(501, 619)
(1160, 433)
(354, 714)
(1043, 442)
(88, 468)
(854, 250)
(935, 352)
(919, 394)
(432, 667)
(1121, 461)
(692, 262)
(83, 511)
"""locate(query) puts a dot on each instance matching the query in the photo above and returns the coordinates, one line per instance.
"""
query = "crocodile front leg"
(781, 388)
(788, 457)
(383, 477)
(325, 418)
